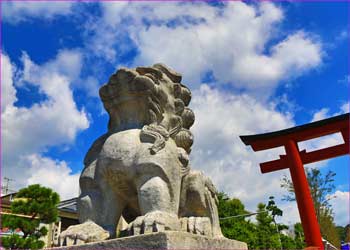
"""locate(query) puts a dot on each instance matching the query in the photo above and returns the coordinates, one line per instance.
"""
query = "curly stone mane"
(152, 99)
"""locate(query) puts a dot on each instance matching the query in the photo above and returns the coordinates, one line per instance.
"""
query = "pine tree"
(32, 205)
(237, 227)
(268, 237)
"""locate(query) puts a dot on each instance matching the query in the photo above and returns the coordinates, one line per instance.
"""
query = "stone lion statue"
(140, 168)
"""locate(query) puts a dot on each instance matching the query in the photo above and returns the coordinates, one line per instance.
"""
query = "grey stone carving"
(140, 168)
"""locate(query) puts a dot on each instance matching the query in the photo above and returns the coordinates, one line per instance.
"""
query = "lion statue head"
(152, 99)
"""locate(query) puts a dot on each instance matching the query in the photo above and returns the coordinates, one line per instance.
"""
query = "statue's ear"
(173, 75)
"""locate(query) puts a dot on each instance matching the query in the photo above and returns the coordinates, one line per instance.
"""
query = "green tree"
(344, 233)
(261, 235)
(347, 233)
(299, 237)
(341, 232)
(321, 188)
(32, 205)
(328, 228)
(267, 233)
(288, 242)
(233, 223)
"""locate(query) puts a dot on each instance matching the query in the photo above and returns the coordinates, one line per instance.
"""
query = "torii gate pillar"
(302, 194)
(294, 160)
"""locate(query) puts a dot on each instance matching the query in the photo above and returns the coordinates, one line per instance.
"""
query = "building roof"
(68, 205)
(66, 208)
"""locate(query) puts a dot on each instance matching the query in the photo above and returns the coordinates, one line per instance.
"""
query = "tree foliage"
(299, 237)
(321, 186)
(347, 233)
(328, 228)
(31, 206)
(267, 231)
(344, 233)
(264, 234)
(235, 227)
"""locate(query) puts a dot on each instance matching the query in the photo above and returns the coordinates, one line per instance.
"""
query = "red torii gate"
(294, 160)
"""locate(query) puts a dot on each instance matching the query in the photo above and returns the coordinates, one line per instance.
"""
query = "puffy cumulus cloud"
(56, 120)
(218, 151)
(51, 122)
(67, 63)
(345, 107)
(54, 174)
(16, 12)
(325, 113)
(341, 207)
(230, 41)
(320, 115)
(298, 52)
(8, 92)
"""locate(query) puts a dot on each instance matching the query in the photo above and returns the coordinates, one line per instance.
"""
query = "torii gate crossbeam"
(294, 160)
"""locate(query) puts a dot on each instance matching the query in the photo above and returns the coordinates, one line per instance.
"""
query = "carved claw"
(154, 222)
(83, 233)
(196, 225)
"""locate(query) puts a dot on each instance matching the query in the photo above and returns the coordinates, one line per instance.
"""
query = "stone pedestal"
(162, 241)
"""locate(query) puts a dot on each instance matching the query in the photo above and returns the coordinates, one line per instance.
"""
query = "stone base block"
(162, 241)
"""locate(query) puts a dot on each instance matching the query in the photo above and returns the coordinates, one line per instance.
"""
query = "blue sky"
(252, 68)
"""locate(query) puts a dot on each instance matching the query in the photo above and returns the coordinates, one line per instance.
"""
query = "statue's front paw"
(154, 222)
(196, 225)
(83, 233)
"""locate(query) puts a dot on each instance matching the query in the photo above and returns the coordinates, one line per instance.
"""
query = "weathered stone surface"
(140, 168)
(83, 233)
(163, 241)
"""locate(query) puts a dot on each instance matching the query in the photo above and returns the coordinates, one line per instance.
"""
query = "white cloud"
(325, 113)
(218, 151)
(8, 92)
(345, 107)
(320, 115)
(231, 41)
(54, 174)
(32, 130)
(341, 207)
(297, 53)
(68, 63)
(53, 121)
(16, 12)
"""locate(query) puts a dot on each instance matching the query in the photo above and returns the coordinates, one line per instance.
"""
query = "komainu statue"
(140, 168)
